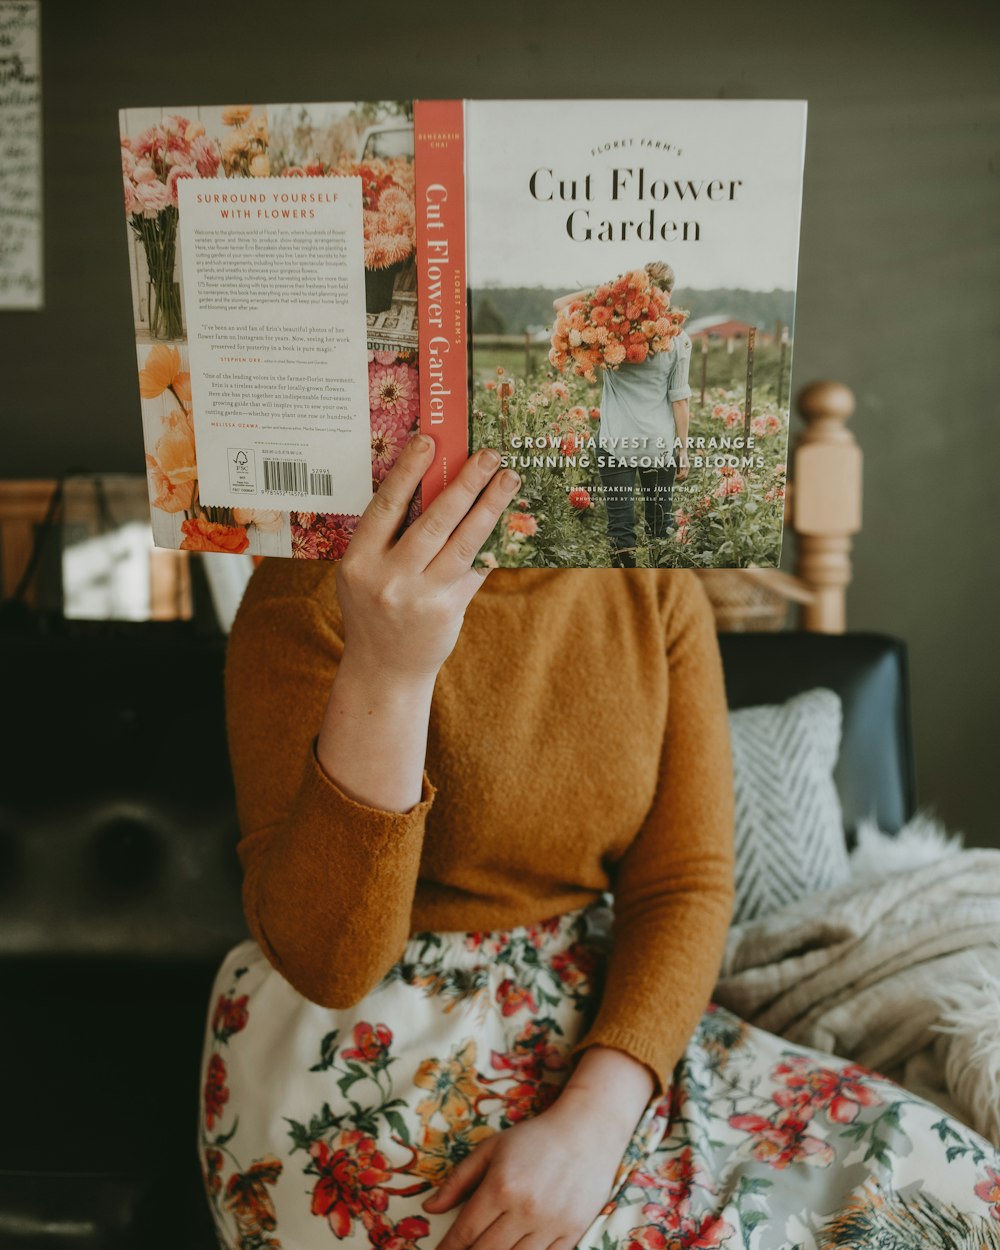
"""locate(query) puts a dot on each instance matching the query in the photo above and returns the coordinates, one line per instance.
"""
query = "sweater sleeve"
(328, 882)
(674, 887)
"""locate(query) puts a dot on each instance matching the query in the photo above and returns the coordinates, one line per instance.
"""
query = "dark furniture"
(119, 895)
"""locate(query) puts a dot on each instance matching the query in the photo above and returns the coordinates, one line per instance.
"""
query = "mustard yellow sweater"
(578, 742)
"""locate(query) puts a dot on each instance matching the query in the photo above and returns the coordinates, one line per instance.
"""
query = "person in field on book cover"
(489, 903)
(643, 407)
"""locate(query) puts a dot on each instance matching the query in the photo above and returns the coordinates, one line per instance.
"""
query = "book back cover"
(272, 255)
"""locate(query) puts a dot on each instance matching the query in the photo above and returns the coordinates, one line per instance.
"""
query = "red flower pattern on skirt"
(840, 1092)
(514, 998)
(532, 1054)
(212, 1171)
(229, 1017)
(371, 1043)
(577, 965)
(669, 1230)
(675, 1175)
(784, 1140)
(216, 1093)
(350, 1180)
(989, 1191)
(401, 1236)
(248, 1199)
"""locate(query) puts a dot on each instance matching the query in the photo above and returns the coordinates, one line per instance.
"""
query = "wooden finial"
(826, 501)
(826, 401)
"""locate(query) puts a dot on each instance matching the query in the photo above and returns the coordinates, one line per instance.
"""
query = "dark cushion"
(875, 771)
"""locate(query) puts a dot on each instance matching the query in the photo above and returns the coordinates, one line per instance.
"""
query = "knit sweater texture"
(578, 743)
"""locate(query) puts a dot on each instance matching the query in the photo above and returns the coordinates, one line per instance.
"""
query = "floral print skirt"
(321, 1127)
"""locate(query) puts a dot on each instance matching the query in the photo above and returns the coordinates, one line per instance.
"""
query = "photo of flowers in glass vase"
(152, 165)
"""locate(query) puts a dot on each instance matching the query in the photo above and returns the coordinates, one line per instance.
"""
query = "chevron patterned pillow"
(789, 825)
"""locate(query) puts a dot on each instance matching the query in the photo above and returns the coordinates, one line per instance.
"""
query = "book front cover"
(632, 269)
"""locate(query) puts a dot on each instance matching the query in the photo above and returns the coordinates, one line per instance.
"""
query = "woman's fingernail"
(424, 442)
(511, 480)
(489, 458)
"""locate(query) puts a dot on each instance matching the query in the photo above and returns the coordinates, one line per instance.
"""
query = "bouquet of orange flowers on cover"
(622, 321)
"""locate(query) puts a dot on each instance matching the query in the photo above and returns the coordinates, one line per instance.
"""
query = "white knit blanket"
(875, 970)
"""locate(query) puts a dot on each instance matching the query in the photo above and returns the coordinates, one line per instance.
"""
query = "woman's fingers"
(429, 533)
(465, 543)
(381, 520)
(457, 523)
(496, 1232)
(462, 1179)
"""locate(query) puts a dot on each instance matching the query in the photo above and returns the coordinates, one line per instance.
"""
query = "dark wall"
(897, 285)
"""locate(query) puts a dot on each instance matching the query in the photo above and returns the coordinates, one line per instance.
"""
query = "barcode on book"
(321, 482)
(285, 477)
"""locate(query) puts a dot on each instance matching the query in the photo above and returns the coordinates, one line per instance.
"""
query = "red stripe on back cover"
(439, 158)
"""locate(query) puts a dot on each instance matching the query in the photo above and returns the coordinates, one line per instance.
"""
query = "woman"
(427, 1043)
(644, 407)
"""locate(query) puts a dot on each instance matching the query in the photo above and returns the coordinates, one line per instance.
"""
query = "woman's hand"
(683, 466)
(403, 598)
(537, 1185)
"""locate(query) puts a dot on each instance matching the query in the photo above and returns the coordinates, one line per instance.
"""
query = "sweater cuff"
(322, 793)
(633, 1044)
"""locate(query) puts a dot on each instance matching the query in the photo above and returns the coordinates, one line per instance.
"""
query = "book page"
(274, 293)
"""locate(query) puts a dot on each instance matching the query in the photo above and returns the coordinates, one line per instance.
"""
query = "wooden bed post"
(826, 503)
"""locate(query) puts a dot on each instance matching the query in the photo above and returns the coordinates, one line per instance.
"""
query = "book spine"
(439, 160)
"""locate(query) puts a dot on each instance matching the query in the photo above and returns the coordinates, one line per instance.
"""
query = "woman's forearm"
(373, 739)
(682, 420)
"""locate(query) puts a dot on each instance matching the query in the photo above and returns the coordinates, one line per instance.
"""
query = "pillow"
(789, 824)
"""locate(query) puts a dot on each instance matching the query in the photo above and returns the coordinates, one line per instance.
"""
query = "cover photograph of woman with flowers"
(649, 424)
(628, 330)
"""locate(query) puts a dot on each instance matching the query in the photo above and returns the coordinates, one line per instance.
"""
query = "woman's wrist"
(610, 1084)
(374, 674)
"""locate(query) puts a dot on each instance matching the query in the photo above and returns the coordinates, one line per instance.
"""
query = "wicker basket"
(742, 603)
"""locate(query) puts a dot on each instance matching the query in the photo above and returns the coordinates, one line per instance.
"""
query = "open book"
(603, 290)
